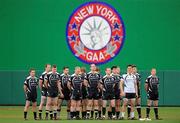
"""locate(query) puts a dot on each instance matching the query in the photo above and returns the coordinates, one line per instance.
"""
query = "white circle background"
(105, 35)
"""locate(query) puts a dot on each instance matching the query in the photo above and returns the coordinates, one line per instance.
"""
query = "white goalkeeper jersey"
(129, 83)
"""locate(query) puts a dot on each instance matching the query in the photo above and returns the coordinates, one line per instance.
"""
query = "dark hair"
(31, 69)
(47, 65)
(130, 65)
(54, 66)
(65, 67)
(113, 67)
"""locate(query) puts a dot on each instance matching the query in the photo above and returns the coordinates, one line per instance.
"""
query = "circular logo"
(95, 32)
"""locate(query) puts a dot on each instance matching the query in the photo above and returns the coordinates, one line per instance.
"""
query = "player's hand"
(136, 95)
(122, 94)
(62, 95)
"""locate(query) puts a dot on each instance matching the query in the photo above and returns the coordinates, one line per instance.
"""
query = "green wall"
(12, 87)
(32, 33)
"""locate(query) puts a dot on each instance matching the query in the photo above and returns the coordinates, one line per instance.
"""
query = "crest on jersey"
(95, 32)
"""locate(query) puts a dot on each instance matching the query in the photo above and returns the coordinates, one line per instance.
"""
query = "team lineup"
(89, 93)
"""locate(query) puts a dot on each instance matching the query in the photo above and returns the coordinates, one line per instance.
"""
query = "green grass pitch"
(14, 114)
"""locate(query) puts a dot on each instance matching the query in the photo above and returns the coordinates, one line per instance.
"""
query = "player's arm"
(136, 88)
(85, 82)
(121, 87)
(146, 85)
(25, 88)
(46, 83)
(59, 88)
(69, 84)
(40, 84)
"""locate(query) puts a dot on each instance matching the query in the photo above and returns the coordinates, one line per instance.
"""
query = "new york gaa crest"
(95, 32)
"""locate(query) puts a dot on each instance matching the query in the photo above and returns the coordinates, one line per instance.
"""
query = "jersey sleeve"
(59, 77)
(147, 80)
(46, 77)
(26, 82)
(100, 78)
(70, 79)
(86, 78)
(41, 77)
(102, 81)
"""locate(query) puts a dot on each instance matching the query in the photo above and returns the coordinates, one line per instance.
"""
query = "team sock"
(147, 111)
(139, 110)
(25, 115)
(104, 110)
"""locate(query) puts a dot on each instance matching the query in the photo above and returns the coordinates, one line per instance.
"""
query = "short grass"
(14, 114)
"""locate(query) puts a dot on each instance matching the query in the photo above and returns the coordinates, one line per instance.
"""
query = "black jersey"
(138, 80)
(117, 79)
(153, 83)
(93, 80)
(53, 79)
(31, 83)
(42, 77)
(108, 83)
(84, 87)
(76, 82)
(64, 78)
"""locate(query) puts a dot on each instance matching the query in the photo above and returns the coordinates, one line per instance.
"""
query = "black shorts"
(52, 93)
(130, 95)
(93, 94)
(117, 94)
(31, 96)
(84, 93)
(153, 95)
(139, 93)
(67, 94)
(44, 92)
(108, 96)
(100, 95)
(76, 95)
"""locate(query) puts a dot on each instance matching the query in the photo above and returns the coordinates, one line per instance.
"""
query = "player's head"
(97, 70)
(108, 71)
(153, 71)
(66, 70)
(134, 68)
(47, 67)
(32, 72)
(129, 69)
(93, 67)
(54, 68)
(118, 70)
(83, 70)
(77, 70)
(114, 69)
